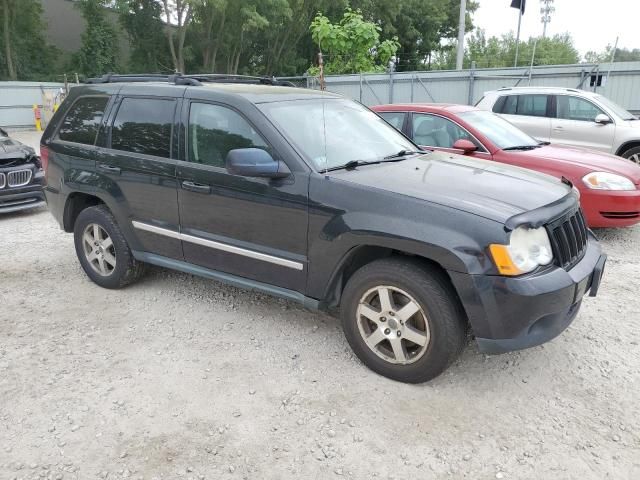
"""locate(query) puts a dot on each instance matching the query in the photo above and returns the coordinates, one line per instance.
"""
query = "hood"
(591, 160)
(489, 189)
(14, 153)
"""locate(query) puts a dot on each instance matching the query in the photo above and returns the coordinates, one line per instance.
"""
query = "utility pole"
(546, 10)
(520, 5)
(461, 27)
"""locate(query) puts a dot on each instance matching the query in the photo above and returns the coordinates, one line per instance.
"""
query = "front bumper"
(14, 200)
(604, 208)
(512, 313)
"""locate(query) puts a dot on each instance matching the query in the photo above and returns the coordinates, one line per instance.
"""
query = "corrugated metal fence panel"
(456, 86)
(17, 100)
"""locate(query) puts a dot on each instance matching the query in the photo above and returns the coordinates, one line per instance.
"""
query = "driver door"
(575, 125)
(254, 228)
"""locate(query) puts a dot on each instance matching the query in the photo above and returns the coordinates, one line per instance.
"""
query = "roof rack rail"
(193, 80)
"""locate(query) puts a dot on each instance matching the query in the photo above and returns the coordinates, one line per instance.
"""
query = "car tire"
(103, 251)
(440, 321)
(632, 154)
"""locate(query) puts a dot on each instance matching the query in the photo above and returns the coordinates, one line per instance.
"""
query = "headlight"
(607, 181)
(528, 249)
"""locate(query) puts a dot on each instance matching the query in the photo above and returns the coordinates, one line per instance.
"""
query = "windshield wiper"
(544, 144)
(403, 153)
(522, 147)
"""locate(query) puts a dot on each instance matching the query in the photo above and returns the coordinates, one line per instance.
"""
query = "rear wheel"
(632, 154)
(403, 319)
(103, 251)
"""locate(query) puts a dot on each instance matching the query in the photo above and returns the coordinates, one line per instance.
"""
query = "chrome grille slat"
(3, 180)
(19, 178)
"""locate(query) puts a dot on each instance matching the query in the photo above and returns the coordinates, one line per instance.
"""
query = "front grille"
(569, 238)
(19, 178)
(3, 180)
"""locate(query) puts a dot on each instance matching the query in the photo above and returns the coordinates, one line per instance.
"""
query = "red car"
(609, 186)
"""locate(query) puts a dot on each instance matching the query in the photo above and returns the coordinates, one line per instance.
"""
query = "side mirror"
(255, 162)
(603, 119)
(466, 146)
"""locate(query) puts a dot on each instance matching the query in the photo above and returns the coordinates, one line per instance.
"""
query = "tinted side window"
(395, 119)
(434, 131)
(532, 105)
(83, 119)
(214, 130)
(143, 125)
(574, 108)
(498, 107)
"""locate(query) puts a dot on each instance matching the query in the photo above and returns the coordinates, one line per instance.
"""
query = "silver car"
(568, 116)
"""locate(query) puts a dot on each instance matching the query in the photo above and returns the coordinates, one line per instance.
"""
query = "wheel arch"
(626, 146)
(361, 255)
(75, 203)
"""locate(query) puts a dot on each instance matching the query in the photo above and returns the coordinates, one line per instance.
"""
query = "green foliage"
(142, 21)
(494, 52)
(352, 45)
(24, 52)
(622, 55)
(99, 51)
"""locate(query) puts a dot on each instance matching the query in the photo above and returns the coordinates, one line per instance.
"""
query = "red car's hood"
(591, 159)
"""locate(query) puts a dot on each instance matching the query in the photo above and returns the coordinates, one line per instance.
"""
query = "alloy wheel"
(635, 158)
(99, 249)
(393, 325)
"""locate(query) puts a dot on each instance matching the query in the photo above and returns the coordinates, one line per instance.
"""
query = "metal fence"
(18, 98)
(622, 84)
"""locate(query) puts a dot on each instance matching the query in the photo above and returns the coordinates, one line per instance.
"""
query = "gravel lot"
(182, 377)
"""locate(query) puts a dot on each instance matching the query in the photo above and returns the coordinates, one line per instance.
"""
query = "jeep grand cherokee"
(314, 198)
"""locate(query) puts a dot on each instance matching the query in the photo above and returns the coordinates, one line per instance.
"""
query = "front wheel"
(633, 154)
(403, 319)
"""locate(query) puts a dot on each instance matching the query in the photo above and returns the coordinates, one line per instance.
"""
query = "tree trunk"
(11, 69)
(214, 53)
(172, 47)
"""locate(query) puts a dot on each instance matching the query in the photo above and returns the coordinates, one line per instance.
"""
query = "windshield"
(615, 108)
(331, 132)
(498, 130)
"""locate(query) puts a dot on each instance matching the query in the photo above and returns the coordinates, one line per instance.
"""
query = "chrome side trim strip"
(218, 246)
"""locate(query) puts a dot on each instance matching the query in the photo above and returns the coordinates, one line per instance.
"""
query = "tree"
(352, 45)
(142, 20)
(622, 55)
(179, 14)
(99, 51)
(497, 52)
(24, 52)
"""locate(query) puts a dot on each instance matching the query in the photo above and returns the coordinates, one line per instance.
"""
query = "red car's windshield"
(502, 133)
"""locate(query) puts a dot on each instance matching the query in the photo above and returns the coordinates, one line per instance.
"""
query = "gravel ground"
(182, 377)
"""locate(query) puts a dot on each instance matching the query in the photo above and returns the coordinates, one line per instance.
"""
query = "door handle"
(196, 187)
(109, 169)
(558, 128)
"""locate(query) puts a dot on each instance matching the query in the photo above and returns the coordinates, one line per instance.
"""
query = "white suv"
(568, 116)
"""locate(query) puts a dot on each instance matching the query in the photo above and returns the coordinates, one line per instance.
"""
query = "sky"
(592, 23)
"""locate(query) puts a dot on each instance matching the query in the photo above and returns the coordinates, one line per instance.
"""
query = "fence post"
(471, 81)
(361, 88)
(412, 88)
(390, 87)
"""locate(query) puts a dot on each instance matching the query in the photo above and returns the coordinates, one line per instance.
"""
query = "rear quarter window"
(82, 121)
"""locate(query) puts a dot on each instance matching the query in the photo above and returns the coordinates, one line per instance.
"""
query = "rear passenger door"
(530, 112)
(575, 124)
(137, 168)
(254, 228)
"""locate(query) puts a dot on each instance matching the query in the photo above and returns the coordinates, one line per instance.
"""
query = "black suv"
(21, 176)
(314, 198)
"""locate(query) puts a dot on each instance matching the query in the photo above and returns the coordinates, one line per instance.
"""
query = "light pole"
(461, 27)
(545, 11)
